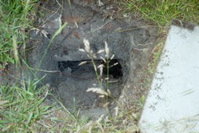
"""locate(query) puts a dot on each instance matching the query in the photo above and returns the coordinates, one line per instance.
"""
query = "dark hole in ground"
(114, 67)
(127, 39)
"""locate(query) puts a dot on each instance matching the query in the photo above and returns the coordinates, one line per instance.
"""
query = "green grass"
(162, 12)
(16, 17)
(20, 106)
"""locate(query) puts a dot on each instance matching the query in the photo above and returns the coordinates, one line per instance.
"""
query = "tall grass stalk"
(103, 92)
(51, 40)
(91, 56)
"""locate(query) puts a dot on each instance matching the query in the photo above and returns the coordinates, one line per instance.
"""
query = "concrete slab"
(172, 105)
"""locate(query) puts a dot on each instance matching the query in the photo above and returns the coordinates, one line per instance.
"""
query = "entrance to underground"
(88, 75)
(111, 68)
(60, 58)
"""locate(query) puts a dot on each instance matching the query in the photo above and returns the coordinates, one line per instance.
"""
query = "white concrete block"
(172, 105)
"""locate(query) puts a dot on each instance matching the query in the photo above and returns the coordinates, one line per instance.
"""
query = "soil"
(130, 39)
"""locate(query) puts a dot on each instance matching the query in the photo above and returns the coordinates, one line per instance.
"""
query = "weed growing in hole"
(100, 89)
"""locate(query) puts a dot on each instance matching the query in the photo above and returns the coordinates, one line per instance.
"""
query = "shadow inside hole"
(113, 68)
